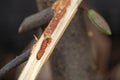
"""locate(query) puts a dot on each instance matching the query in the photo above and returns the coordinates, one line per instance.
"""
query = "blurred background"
(12, 12)
(110, 10)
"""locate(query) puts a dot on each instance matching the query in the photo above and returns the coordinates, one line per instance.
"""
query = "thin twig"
(36, 20)
(15, 62)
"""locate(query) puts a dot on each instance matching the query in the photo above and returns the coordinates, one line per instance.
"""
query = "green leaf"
(99, 22)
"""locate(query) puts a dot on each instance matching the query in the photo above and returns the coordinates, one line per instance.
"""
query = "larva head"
(99, 22)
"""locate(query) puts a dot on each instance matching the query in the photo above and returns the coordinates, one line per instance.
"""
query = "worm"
(44, 45)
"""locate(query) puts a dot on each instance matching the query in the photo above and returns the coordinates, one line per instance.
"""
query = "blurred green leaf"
(99, 22)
